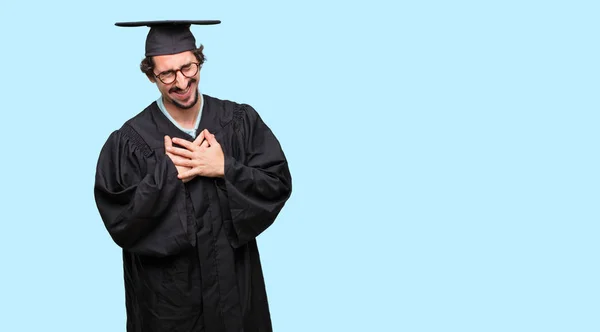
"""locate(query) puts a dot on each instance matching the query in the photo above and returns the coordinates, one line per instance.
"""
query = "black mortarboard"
(168, 37)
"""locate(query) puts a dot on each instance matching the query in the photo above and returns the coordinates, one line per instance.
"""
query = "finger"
(168, 143)
(212, 140)
(170, 157)
(187, 174)
(185, 143)
(204, 144)
(169, 154)
(198, 141)
(187, 179)
(178, 161)
(181, 152)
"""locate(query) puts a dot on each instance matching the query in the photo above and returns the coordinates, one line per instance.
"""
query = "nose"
(180, 80)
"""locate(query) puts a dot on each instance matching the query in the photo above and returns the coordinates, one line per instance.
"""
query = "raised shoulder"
(135, 139)
(229, 111)
(134, 129)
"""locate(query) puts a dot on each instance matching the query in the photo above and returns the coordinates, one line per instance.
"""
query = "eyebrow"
(172, 70)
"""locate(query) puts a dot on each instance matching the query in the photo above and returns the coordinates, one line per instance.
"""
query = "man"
(185, 187)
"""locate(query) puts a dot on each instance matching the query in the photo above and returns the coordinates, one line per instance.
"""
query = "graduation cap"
(168, 37)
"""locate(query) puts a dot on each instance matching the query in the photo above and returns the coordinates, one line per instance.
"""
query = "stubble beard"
(187, 107)
(194, 101)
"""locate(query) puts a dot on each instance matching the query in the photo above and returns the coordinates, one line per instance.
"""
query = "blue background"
(444, 155)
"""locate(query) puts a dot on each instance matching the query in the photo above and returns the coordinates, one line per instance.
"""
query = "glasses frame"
(178, 70)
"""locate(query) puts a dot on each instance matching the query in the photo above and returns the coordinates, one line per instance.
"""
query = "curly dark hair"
(147, 65)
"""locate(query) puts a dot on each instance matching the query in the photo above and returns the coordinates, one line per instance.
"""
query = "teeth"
(182, 92)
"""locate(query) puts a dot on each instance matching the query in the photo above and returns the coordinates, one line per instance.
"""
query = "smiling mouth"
(180, 92)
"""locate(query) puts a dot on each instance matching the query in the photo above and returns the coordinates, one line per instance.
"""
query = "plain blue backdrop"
(444, 157)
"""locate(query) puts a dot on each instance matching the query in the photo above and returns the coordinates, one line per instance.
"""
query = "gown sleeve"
(140, 199)
(258, 182)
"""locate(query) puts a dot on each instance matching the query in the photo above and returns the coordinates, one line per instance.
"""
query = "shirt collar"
(191, 132)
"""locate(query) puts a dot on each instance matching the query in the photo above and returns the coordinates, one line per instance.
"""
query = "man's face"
(183, 92)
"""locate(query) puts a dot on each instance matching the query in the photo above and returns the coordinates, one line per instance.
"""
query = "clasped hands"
(202, 157)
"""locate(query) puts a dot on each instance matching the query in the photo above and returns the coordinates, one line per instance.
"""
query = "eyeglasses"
(169, 76)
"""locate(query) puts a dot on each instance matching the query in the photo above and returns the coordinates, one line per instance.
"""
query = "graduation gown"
(190, 257)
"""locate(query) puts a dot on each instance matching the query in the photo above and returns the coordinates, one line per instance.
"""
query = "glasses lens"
(189, 70)
(167, 78)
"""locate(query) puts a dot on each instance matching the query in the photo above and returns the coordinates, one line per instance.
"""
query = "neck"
(186, 118)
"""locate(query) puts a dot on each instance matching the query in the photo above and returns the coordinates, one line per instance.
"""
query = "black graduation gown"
(190, 257)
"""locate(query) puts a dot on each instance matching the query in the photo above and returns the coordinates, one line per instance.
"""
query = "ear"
(151, 78)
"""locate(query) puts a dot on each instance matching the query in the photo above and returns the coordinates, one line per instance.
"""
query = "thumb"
(211, 139)
(168, 142)
(200, 138)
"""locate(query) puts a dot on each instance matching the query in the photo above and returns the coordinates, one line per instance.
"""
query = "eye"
(188, 69)
(166, 74)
